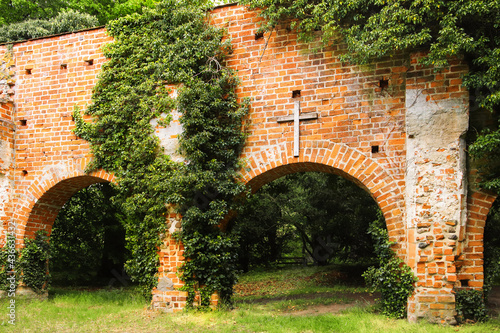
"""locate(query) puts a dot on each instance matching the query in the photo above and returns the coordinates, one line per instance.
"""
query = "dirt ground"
(366, 299)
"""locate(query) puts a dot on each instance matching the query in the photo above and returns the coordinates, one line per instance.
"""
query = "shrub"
(34, 261)
(470, 305)
(393, 278)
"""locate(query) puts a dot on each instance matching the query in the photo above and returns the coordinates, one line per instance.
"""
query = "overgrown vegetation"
(470, 306)
(87, 242)
(34, 262)
(66, 21)
(319, 217)
(393, 278)
(103, 10)
(170, 45)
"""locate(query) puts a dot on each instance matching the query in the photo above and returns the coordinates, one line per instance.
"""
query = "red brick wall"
(52, 77)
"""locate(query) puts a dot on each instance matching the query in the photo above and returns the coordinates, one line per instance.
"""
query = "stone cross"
(296, 117)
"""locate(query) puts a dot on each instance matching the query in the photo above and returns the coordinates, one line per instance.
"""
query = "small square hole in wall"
(28, 71)
(464, 283)
(383, 84)
(89, 62)
(64, 66)
(295, 93)
(23, 122)
(25, 173)
(375, 149)
(259, 35)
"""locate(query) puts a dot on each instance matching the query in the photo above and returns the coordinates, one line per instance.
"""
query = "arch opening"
(306, 229)
(45, 209)
(87, 242)
(317, 217)
(86, 233)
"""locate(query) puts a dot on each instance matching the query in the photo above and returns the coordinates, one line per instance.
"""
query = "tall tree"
(325, 215)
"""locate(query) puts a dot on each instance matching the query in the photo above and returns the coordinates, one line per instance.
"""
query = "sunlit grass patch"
(327, 308)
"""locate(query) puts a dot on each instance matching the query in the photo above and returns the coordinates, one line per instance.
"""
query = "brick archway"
(42, 201)
(277, 161)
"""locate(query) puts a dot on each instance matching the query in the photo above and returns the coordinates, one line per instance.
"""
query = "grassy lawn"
(288, 300)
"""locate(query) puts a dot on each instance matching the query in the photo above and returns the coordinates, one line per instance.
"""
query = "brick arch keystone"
(39, 205)
(274, 162)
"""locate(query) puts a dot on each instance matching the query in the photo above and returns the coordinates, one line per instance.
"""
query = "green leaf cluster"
(171, 45)
(14, 11)
(470, 305)
(393, 278)
(34, 262)
(65, 21)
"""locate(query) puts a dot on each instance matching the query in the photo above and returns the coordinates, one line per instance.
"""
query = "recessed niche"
(24, 172)
(28, 71)
(89, 62)
(375, 149)
(64, 66)
(23, 122)
(383, 84)
(464, 283)
(295, 93)
(259, 35)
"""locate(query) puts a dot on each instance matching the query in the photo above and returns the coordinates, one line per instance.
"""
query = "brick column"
(436, 190)
(167, 296)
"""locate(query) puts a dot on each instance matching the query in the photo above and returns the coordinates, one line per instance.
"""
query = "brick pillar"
(471, 260)
(436, 189)
(167, 296)
(7, 135)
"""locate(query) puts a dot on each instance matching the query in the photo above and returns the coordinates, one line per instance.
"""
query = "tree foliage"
(87, 241)
(65, 21)
(323, 216)
(170, 45)
(14, 11)
(491, 248)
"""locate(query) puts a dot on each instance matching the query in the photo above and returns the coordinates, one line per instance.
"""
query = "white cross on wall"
(296, 118)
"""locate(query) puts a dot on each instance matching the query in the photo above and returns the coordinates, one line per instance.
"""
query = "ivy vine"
(172, 45)
(393, 278)
(34, 262)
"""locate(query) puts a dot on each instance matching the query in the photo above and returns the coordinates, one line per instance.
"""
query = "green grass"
(286, 300)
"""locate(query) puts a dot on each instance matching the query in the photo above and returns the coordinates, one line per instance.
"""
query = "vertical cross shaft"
(296, 118)
(296, 134)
